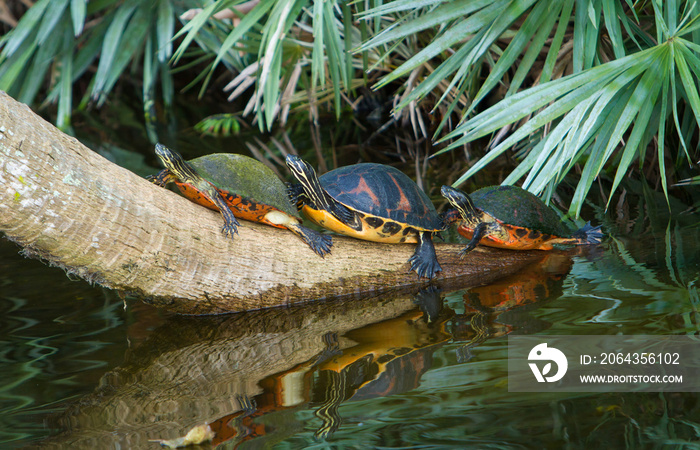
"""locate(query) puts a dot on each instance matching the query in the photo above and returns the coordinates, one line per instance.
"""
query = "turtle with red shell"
(374, 202)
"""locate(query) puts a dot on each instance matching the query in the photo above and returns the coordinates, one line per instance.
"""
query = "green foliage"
(625, 82)
(221, 125)
(59, 41)
(597, 107)
(291, 51)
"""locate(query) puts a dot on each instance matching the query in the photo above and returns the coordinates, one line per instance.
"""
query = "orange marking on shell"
(513, 242)
(403, 204)
(362, 188)
(254, 212)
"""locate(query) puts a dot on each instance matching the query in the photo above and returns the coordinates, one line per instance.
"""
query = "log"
(72, 208)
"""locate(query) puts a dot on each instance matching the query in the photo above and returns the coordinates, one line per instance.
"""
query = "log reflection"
(248, 375)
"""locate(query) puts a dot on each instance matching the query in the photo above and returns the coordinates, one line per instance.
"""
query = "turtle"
(237, 186)
(512, 218)
(369, 201)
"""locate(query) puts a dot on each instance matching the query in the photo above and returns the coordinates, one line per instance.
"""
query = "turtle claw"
(230, 222)
(463, 253)
(427, 269)
(479, 232)
(321, 244)
(589, 234)
(161, 178)
(230, 229)
(424, 261)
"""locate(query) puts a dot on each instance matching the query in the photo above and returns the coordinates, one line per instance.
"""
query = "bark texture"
(74, 209)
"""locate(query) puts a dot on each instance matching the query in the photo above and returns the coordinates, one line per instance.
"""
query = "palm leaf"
(49, 21)
(577, 92)
(630, 94)
(480, 20)
(318, 64)
(191, 29)
(36, 73)
(400, 6)
(65, 103)
(26, 27)
(165, 28)
(56, 37)
(643, 101)
(446, 13)
(247, 23)
(531, 26)
(110, 46)
(13, 66)
(78, 12)
(682, 58)
(281, 18)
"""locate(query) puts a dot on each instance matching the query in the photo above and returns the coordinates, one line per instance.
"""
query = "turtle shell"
(246, 177)
(382, 191)
(515, 206)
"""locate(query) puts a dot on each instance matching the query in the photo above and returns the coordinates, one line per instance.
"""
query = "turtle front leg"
(319, 243)
(162, 178)
(295, 193)
(424, 260)
(429, 301)
(230, 222)
(588, 235)
(480, 231)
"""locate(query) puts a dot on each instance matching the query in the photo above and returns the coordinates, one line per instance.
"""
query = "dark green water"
(426, 370)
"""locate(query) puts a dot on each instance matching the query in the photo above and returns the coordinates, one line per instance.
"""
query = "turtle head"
(175, 164)
(306, 175)
(166, 155)
(460, 201)
(300, 168)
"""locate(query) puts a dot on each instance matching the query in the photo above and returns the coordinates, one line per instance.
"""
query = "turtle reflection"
(388, 357)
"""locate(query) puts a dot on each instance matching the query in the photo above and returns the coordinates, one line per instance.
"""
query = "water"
(422, 370)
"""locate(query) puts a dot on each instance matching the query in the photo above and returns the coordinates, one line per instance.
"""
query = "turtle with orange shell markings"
(373, 202)
(512, 218)
(237, 186)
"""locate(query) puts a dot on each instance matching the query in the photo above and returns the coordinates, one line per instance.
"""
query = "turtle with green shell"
(373, 202)
(512, 218)
(237, 186)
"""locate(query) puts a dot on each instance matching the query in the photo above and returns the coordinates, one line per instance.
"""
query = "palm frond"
(293, 46)
(622, 83)
(68, 37)
(594, 111)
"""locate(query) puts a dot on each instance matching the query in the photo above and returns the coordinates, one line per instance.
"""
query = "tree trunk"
(72, 208)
